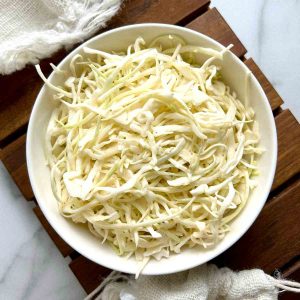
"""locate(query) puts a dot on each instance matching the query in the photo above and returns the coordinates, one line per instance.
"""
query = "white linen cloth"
(205, 282)
(35, 29)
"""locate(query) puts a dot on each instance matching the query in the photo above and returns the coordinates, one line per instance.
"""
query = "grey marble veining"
(270, 30)
(30, 265)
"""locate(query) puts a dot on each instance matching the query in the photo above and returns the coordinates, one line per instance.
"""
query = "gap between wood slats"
(195, 14)
(272, 95)
(292, 273)
(277, 111)
(290, 268)
(213, 24)
(272, 240)
(282, 187)
(88, 273)
(14, 135)
(21, 89)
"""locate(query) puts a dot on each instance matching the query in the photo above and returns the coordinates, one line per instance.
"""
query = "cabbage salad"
(152, 151)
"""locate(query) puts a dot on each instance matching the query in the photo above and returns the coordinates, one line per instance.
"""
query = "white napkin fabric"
(206, 282)
(34, 29)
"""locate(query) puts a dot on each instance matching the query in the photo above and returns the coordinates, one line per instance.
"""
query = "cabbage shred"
(153, 152)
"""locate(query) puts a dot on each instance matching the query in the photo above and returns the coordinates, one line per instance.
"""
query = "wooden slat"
(272, 240)
(272, 95)
(159, 11)
(288, 134)
(88, 273)
(14, 158)
(62, 246)
(292, 273)
(288, 296)
(21, 88)
(213, 24)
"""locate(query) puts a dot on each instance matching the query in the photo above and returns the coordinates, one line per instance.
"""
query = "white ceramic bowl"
(78, 237)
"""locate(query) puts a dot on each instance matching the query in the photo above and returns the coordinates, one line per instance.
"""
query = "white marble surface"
(30, 265)
(270, 31)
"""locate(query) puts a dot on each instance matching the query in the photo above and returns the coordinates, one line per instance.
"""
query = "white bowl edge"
(104, 256)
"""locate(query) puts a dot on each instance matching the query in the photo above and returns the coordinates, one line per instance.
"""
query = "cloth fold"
(35, 29)
(206, 282)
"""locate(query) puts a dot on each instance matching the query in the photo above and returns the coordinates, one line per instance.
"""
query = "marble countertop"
(30, 265)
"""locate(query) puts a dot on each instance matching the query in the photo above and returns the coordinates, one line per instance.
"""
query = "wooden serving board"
(273, 240)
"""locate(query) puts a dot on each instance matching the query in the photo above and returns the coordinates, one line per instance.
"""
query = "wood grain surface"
(13, 157)
(288, 135)
(292, 273)
(21, 89)
(88, 273)
(158, 11)
(213, 24)
(272, 240)
(272, 95)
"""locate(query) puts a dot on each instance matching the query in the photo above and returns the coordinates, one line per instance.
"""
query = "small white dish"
(78, 236)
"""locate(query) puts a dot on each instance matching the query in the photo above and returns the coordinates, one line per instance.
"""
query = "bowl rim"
(190, 264)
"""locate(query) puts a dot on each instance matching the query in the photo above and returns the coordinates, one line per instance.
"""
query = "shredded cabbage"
(152, 151)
